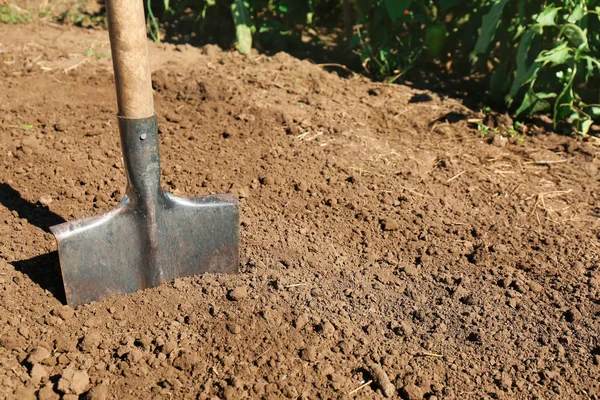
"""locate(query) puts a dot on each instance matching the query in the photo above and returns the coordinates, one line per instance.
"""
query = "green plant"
(547, 58)
(534, 56)
(13, 14)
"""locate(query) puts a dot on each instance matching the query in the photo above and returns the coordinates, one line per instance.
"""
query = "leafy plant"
(534, 56)
(549, 58)
(13, 14)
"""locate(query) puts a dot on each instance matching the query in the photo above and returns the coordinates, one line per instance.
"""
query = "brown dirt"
(383, 240)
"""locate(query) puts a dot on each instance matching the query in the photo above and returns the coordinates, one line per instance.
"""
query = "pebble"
(47, 393)
(45, 200)
(302, 187)
(90, 342)
(268, 180)
(179, 284)
(390, 225)
(535, 287)
(172, 117)
(73, 382)
(301, 321)
(99, 392)
(186, 362)
(411, 270)
(411, 392)
(328, 329)
(238, 293)
(38, 355)
(309, 353)
(382, 380)
(38, 374)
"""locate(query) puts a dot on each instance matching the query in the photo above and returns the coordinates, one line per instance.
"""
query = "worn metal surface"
(152, 236)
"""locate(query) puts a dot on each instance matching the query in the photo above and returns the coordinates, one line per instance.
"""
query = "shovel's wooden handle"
(128, 43)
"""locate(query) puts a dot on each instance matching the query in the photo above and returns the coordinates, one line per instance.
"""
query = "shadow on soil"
(36, 214)
(43, 269)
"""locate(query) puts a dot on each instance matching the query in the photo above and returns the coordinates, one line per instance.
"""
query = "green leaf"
(578, 13)
(575, 35)
(535, 102)
(585, 126)
(563, 104)
(243, 24)
(26, 127)
(590, 64)
(396, 8)
(594, 111)
(548, 16)
(489, 24)
(557, 56)
(525, 71)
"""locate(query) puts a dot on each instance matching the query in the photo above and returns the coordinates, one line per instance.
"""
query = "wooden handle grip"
(128, 43)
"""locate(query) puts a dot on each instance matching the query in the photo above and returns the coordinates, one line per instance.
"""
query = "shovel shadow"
(45, 268)
(45, 271)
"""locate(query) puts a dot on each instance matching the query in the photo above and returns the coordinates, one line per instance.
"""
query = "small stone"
(90, 342)
(242, 192)
(390, 225)
(239, 293)
(301, 187)
(47, 393)
(135, 356)
(268, 180)
(234, 328)
(229, 393)
(301, 321)
(499, 140)
(411, 270)
(186, 362)
(172, 117)
(535, 287)
(99, 392)
(460, 292)
(411, 392)
(38, 355)
(59, 127)
(179, 284)
(64, 344)
(38, 374)
(45, 200)
(73, 382)
(328, 329)
(309, 353)
(382, 380)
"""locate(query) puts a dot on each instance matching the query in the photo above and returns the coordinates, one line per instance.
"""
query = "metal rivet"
(143, 136)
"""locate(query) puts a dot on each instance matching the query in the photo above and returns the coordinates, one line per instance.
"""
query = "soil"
(388, 249)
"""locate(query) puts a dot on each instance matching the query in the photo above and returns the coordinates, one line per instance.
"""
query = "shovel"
(152, 236)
